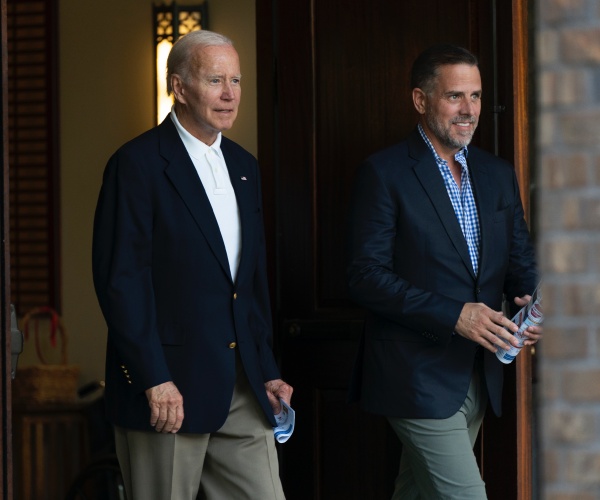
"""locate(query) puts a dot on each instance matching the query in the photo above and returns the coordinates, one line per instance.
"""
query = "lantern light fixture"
(172, 21)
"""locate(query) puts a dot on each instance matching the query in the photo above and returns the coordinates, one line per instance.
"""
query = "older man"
(179, 269)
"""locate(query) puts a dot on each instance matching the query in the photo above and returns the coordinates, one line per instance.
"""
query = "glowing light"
(163, 101)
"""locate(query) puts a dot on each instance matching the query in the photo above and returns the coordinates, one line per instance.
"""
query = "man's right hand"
(481, 324)
(166, 407)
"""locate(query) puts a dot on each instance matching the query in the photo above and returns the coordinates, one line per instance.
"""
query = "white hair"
(181, 57)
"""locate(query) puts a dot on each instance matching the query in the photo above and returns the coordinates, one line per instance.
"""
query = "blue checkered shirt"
(462, 199)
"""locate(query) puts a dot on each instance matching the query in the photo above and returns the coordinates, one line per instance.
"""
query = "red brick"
(557, 10)
(581, 128)
(559, 343)
(581, 45)
(565, 255)
(571, 427)
(564, 170)
(583, 468)
(581, 386)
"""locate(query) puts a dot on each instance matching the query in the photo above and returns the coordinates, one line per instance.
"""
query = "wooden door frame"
(5, 334)
(518, 378)
(522, 145)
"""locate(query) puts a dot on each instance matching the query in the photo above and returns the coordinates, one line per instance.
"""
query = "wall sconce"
(171, 22)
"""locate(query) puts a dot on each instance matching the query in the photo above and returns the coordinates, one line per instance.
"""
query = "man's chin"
(225, 125)
(463, 140)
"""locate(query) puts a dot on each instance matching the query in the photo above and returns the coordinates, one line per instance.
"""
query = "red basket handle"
(56, 328)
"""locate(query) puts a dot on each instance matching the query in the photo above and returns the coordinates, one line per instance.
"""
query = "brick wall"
(568, 173)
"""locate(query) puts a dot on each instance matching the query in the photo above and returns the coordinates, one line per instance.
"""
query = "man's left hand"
(533, 333)
(278, 389)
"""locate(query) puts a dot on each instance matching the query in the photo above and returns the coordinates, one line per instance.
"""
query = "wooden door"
(333, 88)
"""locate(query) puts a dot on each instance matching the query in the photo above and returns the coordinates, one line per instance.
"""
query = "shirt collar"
(195, 147)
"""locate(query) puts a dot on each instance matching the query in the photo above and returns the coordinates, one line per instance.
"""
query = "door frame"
(522, 150)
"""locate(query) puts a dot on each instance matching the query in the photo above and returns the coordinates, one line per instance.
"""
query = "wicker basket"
(46, 383)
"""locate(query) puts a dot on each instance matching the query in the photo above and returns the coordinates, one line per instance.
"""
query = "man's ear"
(419, 97)
(177, 86)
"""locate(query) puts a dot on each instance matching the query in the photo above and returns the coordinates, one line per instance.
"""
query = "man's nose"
(228, 92)
(469, 107)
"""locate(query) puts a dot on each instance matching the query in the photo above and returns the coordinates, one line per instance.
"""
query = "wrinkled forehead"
(215, 58)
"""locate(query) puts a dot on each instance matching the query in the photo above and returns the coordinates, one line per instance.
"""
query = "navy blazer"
(165, 288)
(410, 268)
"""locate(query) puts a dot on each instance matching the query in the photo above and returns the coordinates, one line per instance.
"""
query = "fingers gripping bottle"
(530, 315)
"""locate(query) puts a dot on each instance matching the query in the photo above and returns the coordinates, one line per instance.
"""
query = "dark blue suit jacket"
(164, 285)
(410, 268)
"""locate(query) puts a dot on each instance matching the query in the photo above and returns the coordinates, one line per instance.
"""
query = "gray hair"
(181, 57)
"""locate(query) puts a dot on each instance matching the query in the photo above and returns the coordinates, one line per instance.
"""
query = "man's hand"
(481, 324)
(278, 389)
(166, 407)
(533, 333)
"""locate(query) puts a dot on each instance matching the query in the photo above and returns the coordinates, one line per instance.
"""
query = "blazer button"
(232, 345)
(234, 296)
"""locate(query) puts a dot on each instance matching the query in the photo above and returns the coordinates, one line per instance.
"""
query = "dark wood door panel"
(337, 451)
(343, 95)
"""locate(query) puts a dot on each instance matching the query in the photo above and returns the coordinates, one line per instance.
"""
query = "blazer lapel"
(182, 174)
(430, 178)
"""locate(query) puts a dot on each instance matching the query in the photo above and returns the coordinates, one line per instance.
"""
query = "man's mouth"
(464, 122)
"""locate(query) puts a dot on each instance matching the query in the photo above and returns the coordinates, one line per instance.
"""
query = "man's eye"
(215, 80)
(236, 81)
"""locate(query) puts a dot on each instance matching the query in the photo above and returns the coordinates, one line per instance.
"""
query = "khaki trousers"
(238, 462)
